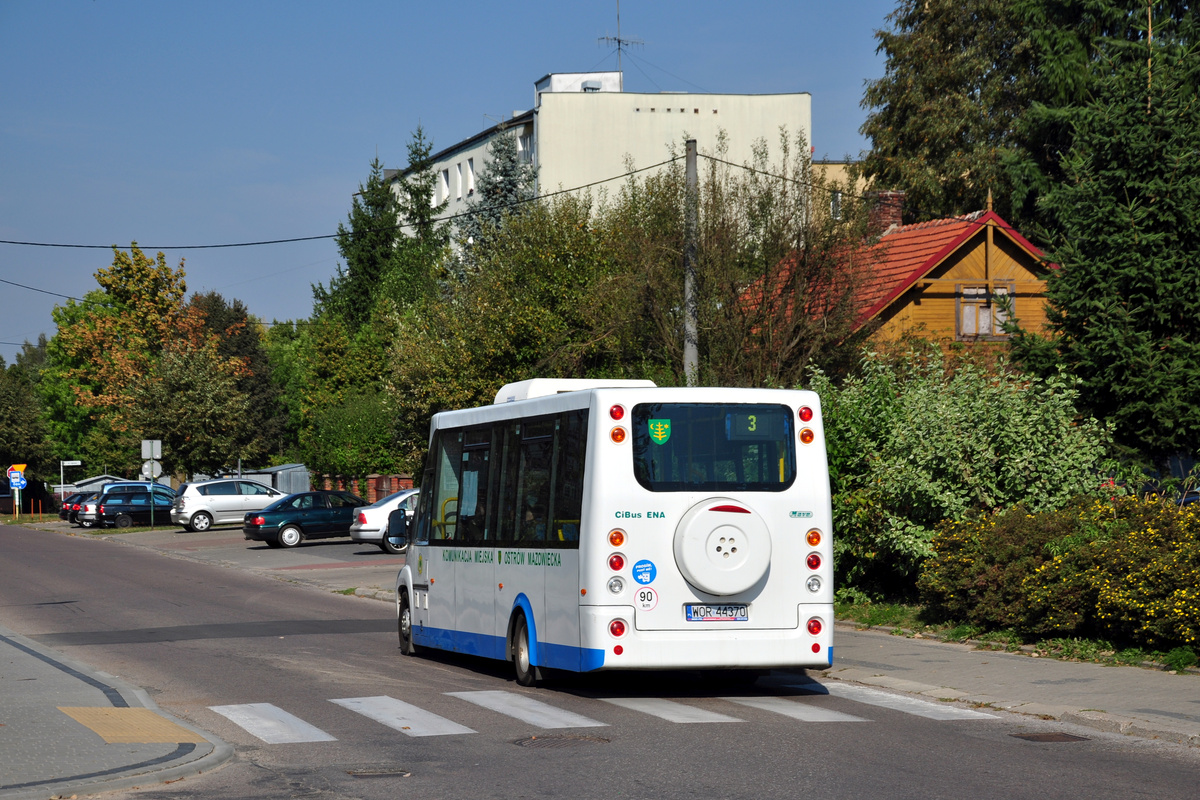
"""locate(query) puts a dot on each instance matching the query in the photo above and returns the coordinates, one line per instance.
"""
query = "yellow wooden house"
(953, 279)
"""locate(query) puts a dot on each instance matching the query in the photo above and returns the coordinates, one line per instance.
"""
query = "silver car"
(371, 521)
(225, 501)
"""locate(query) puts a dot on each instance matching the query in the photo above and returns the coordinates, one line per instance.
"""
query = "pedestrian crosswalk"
(274, 725)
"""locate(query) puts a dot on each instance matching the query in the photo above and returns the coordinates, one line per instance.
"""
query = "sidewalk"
(45, 750)
(67, 729)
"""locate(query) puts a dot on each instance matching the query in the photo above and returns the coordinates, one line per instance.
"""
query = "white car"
(224, 501)
(371, 521)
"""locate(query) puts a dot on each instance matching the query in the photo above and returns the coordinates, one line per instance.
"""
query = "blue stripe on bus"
(541, 654)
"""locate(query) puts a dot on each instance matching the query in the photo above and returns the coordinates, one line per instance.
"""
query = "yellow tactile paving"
(130, 725)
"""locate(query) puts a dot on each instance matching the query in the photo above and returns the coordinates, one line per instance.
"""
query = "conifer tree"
(1125, 299)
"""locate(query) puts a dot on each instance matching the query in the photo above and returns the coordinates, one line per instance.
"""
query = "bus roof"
(541, 387)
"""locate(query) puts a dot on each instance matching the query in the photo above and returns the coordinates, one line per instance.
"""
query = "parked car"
(88, 514)
(199, 506)
(65, 508)
(370, 522)
(89, 511)
(306, 515)
(124, 509)
(127, 487)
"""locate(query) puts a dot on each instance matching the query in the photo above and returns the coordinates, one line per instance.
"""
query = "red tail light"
(101, 509)
(814, 626)
(806, 414)
(617, 628)
(258, 521)
(362, 518)
(813, 561)
(616, 562)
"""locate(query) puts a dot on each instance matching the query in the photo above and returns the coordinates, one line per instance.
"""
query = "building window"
(446, 184)
(458, 181)
(470, 177)
(525, 147)
(835, 205)
(982, 315)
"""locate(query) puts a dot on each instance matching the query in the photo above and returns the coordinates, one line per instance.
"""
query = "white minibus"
(589, 525)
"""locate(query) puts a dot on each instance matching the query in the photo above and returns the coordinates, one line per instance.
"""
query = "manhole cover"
(559, 741)
(379, 772)
(1049, 737)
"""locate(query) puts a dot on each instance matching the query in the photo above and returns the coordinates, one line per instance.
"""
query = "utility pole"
(691, 215)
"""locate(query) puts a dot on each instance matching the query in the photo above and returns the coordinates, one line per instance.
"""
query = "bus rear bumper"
(737, 648)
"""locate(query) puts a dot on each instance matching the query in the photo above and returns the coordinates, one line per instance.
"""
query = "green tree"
(22, 433)
(942, 118)
(190, 401)
(505, 183)
(239, 336)
(1126, 296)
(368, 247)
(423, 247)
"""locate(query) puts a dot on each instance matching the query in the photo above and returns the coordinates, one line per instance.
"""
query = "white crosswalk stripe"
(669, 710)
(526, 709)
(897, 702)
(795, 710)
(272, 724)
(408, 719)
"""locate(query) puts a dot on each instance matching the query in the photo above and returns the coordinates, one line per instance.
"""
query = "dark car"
(70, 506)
(306, 515)
(125, 509)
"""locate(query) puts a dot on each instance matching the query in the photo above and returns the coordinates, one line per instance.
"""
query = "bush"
(1125, 569)
(912, 443)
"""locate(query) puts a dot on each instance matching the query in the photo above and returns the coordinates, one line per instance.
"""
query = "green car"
(306, 515)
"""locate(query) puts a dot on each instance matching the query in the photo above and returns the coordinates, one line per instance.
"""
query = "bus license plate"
(698, 613)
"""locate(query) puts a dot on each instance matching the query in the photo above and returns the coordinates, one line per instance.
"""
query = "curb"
(1095, 720)
(135, 697)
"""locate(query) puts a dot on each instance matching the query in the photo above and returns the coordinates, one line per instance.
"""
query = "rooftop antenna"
(621, 45)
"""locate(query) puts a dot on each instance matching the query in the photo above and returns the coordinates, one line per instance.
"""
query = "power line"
(406, 225)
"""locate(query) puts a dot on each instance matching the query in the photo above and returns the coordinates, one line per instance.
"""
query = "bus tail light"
(806, 414)
(813, 538)
(617, 628)
(618, 650)
(807, 436)
(616, 562)
(813, 561)
(617, 412)
(815, 626)
(616, 537)
(617, 434)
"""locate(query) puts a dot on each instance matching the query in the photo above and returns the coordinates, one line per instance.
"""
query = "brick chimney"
(887, 208)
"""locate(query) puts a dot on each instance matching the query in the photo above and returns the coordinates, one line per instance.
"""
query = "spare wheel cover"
(722, 546)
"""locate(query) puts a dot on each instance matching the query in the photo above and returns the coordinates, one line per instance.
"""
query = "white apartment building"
(583, 130)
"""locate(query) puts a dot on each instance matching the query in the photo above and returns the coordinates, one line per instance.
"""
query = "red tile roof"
(907, 253)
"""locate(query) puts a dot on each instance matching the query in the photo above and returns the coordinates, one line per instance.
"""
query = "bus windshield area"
(713, 447)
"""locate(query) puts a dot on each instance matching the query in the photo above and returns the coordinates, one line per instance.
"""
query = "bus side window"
(570, 455)
(446, 486)
(472, 505)
(508, 441)
(533, 483)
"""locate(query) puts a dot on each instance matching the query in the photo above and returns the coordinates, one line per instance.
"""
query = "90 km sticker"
(646, 598)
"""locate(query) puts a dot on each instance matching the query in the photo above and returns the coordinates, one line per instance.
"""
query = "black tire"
(404, 626)
(200, 521)
(526, 673)
(290, 536)
(387, 547)
(124, 521)
(188, 528)
(273, 543)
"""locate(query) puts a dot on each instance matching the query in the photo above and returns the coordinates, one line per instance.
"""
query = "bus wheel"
(404, 623)
(527, 674)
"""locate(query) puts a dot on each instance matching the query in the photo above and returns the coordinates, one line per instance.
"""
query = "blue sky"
(188, 123)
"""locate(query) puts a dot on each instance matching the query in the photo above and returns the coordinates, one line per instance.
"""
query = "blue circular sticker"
(644, 572)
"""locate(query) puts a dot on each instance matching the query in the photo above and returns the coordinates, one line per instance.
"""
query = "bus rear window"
(713, 447)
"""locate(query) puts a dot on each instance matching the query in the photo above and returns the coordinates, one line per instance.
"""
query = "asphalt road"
(199, 636)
